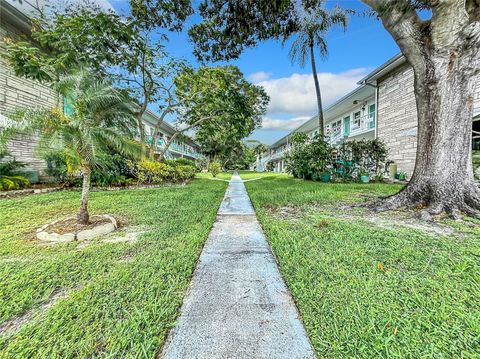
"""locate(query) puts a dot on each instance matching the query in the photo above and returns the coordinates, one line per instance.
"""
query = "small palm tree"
(99, 121)
(313, 26)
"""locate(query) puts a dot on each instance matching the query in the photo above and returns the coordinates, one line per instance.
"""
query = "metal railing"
(365, 123)
(174, 147)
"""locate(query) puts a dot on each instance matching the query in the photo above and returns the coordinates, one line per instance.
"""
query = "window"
(336, 127)
(356, 120)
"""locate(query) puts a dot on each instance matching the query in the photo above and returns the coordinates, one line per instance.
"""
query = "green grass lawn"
(221, 175)
(116, 300)
(253, 174)
(372, 286)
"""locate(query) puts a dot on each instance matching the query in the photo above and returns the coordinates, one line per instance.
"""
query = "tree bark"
(321, 124)
(444, 54)
(83, 217)
(175, 135)
(139, 116)
(157, 129)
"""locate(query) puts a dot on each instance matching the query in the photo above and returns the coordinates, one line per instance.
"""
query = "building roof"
(331, 112)
(383, 69)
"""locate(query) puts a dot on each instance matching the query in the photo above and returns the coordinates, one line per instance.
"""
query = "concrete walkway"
(238, 305)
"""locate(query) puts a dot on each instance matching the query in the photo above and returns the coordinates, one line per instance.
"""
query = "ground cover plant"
(11, 176)
(372, 285)
(116, 297)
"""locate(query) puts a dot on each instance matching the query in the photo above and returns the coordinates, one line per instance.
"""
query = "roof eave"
(383, 69)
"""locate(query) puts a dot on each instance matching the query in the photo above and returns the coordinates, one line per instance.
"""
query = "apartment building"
(382, 106)
(17, 92)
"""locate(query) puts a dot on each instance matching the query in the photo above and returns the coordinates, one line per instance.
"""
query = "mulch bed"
(70, 225)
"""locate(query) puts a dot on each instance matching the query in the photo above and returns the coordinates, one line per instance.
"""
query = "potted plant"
(364, 175)
(326, 177)
(402, 176)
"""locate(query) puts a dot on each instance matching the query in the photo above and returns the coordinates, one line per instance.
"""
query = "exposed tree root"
(432, 202)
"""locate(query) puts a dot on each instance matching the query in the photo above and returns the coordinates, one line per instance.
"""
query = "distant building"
(384, 107)
(17, 92)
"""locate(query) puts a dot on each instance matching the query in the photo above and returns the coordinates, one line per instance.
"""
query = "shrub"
(184, 173)
(214, 168)
(369, 155)
(11, 176)
(111, 170)
(180, 162)
(309, 159)
(153, 172)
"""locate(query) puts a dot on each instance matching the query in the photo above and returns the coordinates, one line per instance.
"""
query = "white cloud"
(287, 125)
(295, 95)
(259, 76)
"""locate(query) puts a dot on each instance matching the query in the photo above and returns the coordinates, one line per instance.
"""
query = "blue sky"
(352, 54)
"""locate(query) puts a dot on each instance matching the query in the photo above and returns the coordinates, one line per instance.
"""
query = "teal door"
(346, 126)
(371, 114)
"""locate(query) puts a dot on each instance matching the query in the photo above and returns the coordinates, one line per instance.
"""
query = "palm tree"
(99, 121)
(313, 26)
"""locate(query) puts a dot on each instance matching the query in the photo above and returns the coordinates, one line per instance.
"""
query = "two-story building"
(382, 106)
(17, 92)
(351, 117)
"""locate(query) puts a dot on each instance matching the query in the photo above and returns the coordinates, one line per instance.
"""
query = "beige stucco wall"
(397, 116)
(16, 92)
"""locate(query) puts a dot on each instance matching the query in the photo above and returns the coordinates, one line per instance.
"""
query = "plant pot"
(364, 179)
(326, 178)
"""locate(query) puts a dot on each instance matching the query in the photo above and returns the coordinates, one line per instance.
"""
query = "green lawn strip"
(365, 291)
(245, 175)
(221, 175)
(121, 298)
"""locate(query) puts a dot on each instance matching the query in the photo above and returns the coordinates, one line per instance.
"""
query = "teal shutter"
(346, 126)
(371, 113)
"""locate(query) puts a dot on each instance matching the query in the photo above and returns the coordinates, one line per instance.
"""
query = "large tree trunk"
(444, 54)
(321, 124)
(443, 177)
(83, 217)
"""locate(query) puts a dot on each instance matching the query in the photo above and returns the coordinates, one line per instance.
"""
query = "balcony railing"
(357, 127)
(174, 147)
(363, 124)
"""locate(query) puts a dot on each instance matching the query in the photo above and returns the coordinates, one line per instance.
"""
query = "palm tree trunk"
(321, 124)
(83, 216)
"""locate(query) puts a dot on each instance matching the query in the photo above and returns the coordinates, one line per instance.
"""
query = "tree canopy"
(231, 26)
(220, 105)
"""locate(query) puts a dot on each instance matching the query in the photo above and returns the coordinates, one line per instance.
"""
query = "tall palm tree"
(98, 122)
(313, 25)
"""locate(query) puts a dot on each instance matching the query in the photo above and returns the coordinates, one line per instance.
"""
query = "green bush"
(366, 155)
(111, 170)
(11, 176)
(309, 159)
(186, 172)
(214, 168)
(180, 162)
(154, 172)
